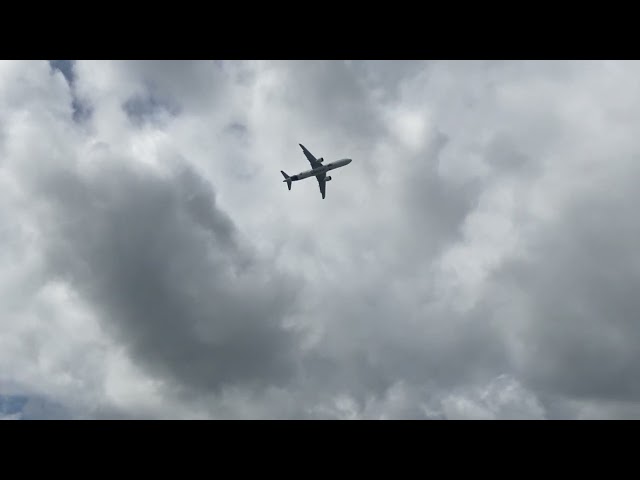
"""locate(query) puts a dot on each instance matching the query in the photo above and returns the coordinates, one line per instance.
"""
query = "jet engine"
(320, 160)
(327, 179)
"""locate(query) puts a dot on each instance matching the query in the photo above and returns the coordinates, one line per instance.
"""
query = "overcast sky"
(478, 259)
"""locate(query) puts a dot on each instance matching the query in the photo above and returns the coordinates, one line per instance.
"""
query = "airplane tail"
(286, 179)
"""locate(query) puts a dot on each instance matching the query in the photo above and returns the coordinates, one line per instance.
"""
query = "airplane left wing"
(312, 160)
(322, 183)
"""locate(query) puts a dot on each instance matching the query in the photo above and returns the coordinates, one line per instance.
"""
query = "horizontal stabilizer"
(286, 179)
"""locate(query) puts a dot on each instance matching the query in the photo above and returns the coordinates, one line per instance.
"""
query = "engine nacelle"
(320, 160)
(327, 179)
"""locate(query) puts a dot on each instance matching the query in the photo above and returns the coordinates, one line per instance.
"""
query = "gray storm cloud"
(160, 261)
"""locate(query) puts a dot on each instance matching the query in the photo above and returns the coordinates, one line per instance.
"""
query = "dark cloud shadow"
(167, 273)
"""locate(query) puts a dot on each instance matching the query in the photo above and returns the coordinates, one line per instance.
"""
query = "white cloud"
(503, 398)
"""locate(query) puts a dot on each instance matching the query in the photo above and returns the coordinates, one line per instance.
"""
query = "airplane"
(317, 169)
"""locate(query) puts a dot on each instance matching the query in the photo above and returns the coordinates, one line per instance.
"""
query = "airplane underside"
(318, 170)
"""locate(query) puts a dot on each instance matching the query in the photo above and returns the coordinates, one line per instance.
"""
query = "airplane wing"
(312, 160)
(322, 183)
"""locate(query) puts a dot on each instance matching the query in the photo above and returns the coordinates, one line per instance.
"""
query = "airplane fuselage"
(322, 169)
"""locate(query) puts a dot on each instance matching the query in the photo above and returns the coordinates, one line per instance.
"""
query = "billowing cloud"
(476, 260)
(156, 257)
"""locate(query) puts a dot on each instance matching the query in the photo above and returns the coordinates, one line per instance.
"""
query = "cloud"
(160, 266)
(158, 258)
(575, 292)
(476, 260)
(503, 398)
(11, 407)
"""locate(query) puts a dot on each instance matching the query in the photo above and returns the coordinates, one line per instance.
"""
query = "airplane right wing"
(322, 183)
(312, 160)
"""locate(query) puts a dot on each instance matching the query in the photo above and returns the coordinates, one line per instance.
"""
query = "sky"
(477, 260)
